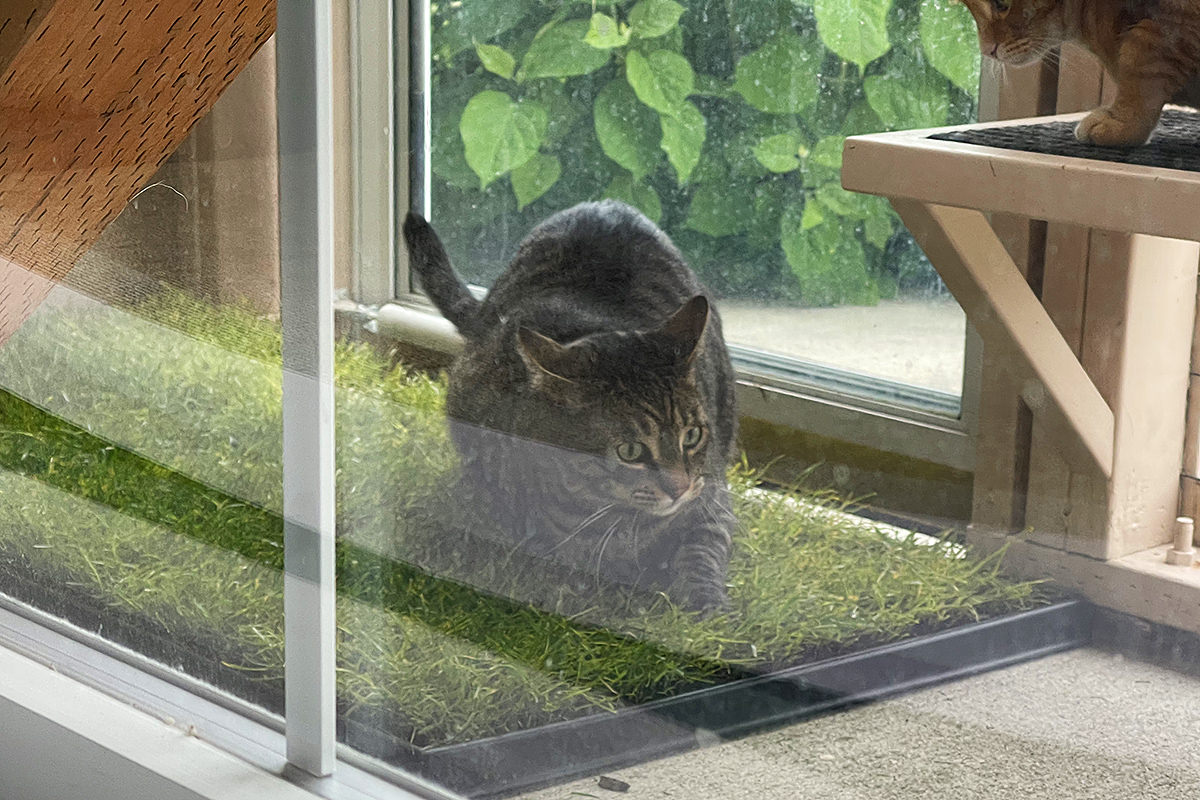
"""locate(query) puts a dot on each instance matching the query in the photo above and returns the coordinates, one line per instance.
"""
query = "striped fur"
(592, 405)
(1151, 48)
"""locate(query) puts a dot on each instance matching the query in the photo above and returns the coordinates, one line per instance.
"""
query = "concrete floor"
(1082, 724)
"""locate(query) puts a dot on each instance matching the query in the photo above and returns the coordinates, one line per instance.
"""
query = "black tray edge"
(505, 765)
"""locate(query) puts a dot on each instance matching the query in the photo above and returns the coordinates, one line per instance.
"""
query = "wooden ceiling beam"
(94, 96)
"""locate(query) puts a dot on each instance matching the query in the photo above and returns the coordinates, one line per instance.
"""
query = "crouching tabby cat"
(1151, 47)
(592, 405)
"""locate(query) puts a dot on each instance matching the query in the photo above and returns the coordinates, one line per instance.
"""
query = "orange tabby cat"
(1151, 47)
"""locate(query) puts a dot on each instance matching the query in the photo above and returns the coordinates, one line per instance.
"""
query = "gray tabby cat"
(592, 405)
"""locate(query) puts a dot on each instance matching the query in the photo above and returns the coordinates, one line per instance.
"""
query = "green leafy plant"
(721, 121)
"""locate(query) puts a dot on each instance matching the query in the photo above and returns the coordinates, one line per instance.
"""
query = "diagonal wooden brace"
(983, 278)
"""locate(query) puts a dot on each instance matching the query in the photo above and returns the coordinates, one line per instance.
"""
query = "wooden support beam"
(1065, 499)
(981, 275)
(1137, 342)
(1002, 427)
(1000, 490)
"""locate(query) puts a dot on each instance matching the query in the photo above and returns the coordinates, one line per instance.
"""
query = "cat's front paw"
(1103, 127)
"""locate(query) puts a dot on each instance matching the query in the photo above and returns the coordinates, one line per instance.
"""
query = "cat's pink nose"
(676, 484)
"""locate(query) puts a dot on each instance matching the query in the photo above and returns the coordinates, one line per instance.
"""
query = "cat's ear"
(549, 363)
(684, 330)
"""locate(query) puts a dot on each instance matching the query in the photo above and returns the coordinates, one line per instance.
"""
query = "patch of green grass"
(142, 469)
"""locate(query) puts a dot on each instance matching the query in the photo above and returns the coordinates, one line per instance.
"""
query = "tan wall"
(208, 221)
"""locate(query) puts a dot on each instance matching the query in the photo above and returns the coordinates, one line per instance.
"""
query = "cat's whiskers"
(996, 68)
(706, 509)
(1046, 47)
(714, 509)
(604, 540)
(633, 532)
(596, 515)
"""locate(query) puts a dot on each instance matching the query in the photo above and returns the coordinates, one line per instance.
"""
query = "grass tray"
(140, 489)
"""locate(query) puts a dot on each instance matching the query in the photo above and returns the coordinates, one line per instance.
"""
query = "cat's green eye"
(631, 452)
(692, 436)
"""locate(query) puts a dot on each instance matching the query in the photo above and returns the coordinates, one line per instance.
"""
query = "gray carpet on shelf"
(1174, 145)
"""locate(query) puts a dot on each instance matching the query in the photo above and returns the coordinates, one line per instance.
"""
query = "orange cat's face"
(1017, 31)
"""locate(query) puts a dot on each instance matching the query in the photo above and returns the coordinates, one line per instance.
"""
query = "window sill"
(90, 719)
(901, 431)
(64, 739)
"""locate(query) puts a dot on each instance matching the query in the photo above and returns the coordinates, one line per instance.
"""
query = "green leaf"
(828, 152)
(947, 37)
(682, 139)
(781, 76)
(662, 80)
(625, 129)
(496, 59)
(909, 94)
(827, 260)
(763, 230)
(781, 152)
(499, 134)
(861, 119)
(853, 205)
(559, 51)
(854, 29)
(471, 22)
(637, 194)
(709, 86)
(531, 180)
(878, 229)
(560, 106)
(651, 18)
(737, 146)
(719, 210)
(448, 162)
(812, 216)
(605, 33)
(823, 164)
(713, 169)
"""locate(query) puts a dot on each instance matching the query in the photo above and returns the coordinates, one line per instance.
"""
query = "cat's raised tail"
(447, 291)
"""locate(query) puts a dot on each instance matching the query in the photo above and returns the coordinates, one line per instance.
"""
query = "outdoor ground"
(1082, 724)
(917, 341)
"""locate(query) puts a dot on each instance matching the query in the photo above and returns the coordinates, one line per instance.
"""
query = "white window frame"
(304, 73)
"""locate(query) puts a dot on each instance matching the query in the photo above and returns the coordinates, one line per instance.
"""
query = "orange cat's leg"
(1145, 82)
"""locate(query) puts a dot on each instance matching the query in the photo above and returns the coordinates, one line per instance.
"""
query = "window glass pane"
(554, 559)
(140, 479)
(724, 123)
(566, 556)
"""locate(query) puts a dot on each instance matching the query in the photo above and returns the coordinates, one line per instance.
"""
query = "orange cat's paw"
(1104, 128)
